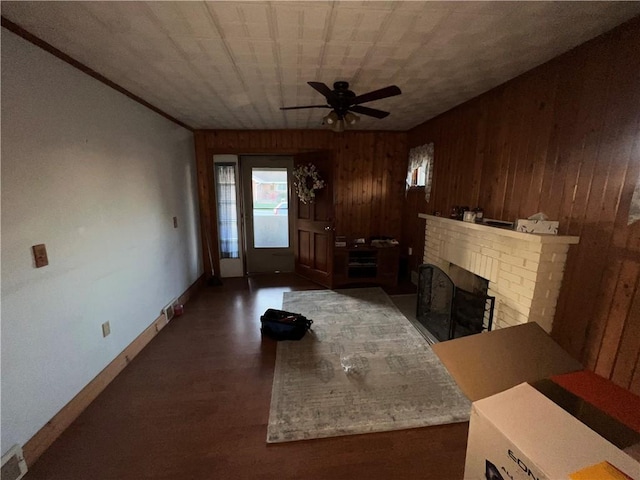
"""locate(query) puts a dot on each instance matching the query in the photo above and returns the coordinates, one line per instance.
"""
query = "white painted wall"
(97, 178)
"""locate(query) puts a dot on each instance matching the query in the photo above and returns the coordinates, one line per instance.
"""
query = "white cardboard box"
(547, 227)
(520, 434)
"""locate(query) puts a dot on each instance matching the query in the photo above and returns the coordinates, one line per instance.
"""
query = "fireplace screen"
(448, 311)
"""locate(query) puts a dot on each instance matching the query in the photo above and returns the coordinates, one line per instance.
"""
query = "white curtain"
(421, 156)
(227, 210)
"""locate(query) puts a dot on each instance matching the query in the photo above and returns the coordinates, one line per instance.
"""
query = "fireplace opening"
(467, 280)
(452, 309)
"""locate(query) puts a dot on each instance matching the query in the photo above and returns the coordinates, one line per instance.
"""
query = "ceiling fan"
(343, 102)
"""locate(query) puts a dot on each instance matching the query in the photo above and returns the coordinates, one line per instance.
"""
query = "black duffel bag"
(281, 325)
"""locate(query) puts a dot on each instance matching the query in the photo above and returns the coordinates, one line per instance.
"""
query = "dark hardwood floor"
(194, 404)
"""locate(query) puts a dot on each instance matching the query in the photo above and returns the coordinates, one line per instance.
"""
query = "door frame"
(265, 259)
(206, 189)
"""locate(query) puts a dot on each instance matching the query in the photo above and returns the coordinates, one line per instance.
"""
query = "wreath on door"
(307, 181)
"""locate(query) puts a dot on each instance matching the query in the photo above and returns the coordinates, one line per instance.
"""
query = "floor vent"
(13, 465)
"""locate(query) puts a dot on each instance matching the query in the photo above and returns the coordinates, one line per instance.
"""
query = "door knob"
(327, 228)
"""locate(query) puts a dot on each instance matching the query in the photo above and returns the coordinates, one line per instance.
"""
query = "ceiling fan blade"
(372, 112)
(324, 90)
(385, 92)
(305, 106)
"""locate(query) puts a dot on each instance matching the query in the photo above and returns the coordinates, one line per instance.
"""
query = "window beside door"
(226, 191)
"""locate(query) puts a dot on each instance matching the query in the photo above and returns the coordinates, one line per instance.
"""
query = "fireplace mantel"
(504, 232)
(524, 270)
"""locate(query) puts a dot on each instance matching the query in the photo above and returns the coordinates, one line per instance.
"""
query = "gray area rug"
(363, 368)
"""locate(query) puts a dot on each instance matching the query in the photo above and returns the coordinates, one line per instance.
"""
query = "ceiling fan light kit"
(338, 123)
(344, 102)
(351, 119)
(330, 119)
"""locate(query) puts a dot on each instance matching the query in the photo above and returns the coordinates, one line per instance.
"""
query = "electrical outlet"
(175, 222)
(106, 329)
(168, 311)
(13, 464)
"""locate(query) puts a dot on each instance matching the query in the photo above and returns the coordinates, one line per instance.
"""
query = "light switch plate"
(40, 255)
(175, 222)
(106, 329)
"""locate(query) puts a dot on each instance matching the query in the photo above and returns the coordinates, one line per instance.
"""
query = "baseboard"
(37, 444)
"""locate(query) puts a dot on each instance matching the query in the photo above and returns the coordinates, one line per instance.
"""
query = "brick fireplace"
(524, 270)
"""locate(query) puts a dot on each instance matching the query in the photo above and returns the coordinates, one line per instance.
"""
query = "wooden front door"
(313, 240)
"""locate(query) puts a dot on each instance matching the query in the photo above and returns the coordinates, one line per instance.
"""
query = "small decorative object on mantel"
(469, 216)
(479, 214)
(492, 222)
(307, 181)
(537, 223)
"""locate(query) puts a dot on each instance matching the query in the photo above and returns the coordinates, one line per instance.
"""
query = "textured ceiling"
(233, 64)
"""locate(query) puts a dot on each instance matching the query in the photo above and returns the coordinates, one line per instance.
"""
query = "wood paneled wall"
(563, 139)
(369, 173)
